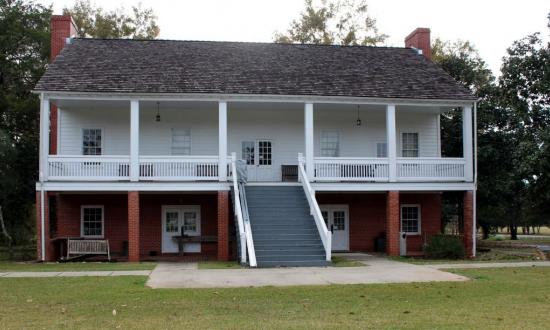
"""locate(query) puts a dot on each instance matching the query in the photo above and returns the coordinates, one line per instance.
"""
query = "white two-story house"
(273, 154)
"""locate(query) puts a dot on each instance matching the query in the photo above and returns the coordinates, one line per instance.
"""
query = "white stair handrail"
(326, 235)
(245, 232)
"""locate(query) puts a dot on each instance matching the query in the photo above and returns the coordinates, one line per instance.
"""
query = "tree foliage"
(92, 21)
(343, 22)
(24, 47)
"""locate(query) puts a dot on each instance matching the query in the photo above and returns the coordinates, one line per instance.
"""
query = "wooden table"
(182, 240)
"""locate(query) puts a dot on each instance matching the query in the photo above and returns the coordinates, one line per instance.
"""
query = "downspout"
(474, 216)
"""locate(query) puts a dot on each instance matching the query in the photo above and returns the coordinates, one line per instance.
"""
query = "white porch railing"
(326, 235)
(178, 168)
(430, 169)
(89, 168)
(243, 221)
(351, 169)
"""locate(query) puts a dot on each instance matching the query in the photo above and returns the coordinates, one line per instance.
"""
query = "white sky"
(491, 25)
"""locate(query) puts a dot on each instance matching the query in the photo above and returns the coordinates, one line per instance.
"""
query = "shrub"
(445, 247)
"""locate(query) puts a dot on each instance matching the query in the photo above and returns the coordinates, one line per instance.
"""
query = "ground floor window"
(92, 221)
(410, 219)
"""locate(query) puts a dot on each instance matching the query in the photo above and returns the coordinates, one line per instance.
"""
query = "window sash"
(330, 144)
(92, 141)
(181, 141)
(92, 221)
(248, 152)
(409, 145)
(410, 219)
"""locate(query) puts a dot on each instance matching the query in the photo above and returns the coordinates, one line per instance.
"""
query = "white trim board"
(252, 98)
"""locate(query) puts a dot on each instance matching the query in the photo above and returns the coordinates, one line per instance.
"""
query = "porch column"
(134, 140)
(392, 223)
(222, 143)
(391, 142)
(223, 226)
(133, 226)
(467, 143)
(44, 137)
(308, 130)
(469, 230)
(43, 247)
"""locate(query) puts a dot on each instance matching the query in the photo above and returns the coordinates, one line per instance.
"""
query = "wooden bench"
(81, 247)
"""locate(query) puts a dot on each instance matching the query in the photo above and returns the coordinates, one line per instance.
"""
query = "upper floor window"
(181, 141)
(330, 144)
(381, 150)
(92, 141)
(410, 219)
(409, 144)
(91, 224)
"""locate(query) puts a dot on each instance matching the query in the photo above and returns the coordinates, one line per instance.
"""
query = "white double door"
(258, 155)
(176, 217)
(337, 219)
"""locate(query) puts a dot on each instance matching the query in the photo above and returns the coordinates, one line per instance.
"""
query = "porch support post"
(467, 143)
(133, 226)
(391, 142)
(469, 229)
(392, 223)
(308, 130)
(43, 247)
(223, 225)
(134, 140)
(44, 137)
(222, 137)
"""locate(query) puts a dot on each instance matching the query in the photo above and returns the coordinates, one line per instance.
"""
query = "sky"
(491, 25)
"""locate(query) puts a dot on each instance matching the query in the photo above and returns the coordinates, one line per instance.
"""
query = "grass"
(6, 266)
(219, 265)
(89, 302)
(338, 261)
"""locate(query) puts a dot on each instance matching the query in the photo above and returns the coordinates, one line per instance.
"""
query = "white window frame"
(419, 227)
(102, 139)
(82, 207)
(376, 149)
(339, 142)
(417, 145)
(172, 140)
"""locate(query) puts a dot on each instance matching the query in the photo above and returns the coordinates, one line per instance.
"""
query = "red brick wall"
(392, 223)
(468, 222)
(49, 250)
(430, 208)
(223, 225)
(151, 219)
(115, 213)
(368, 212)
(116, 218)
(133, 226)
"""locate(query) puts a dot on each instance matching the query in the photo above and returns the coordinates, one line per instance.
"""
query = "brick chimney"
(420, 39)
(61, 27)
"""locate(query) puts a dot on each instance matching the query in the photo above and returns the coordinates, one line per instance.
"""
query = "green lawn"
(338, 261)
(495, 298)
(6, 266)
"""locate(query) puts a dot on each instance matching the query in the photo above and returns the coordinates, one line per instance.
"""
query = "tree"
(24, 48)
(525, 91)
(343, 22)
(95, 22)
(461, 60)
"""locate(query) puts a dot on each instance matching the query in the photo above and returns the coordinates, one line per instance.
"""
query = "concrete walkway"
(376, 270)
(491, 265)
(77, 274)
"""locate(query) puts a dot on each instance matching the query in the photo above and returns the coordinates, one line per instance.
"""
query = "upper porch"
(191, 140)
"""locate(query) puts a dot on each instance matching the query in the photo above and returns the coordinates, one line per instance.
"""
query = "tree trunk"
(485, 231)
(5, 233)
(513, 232)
